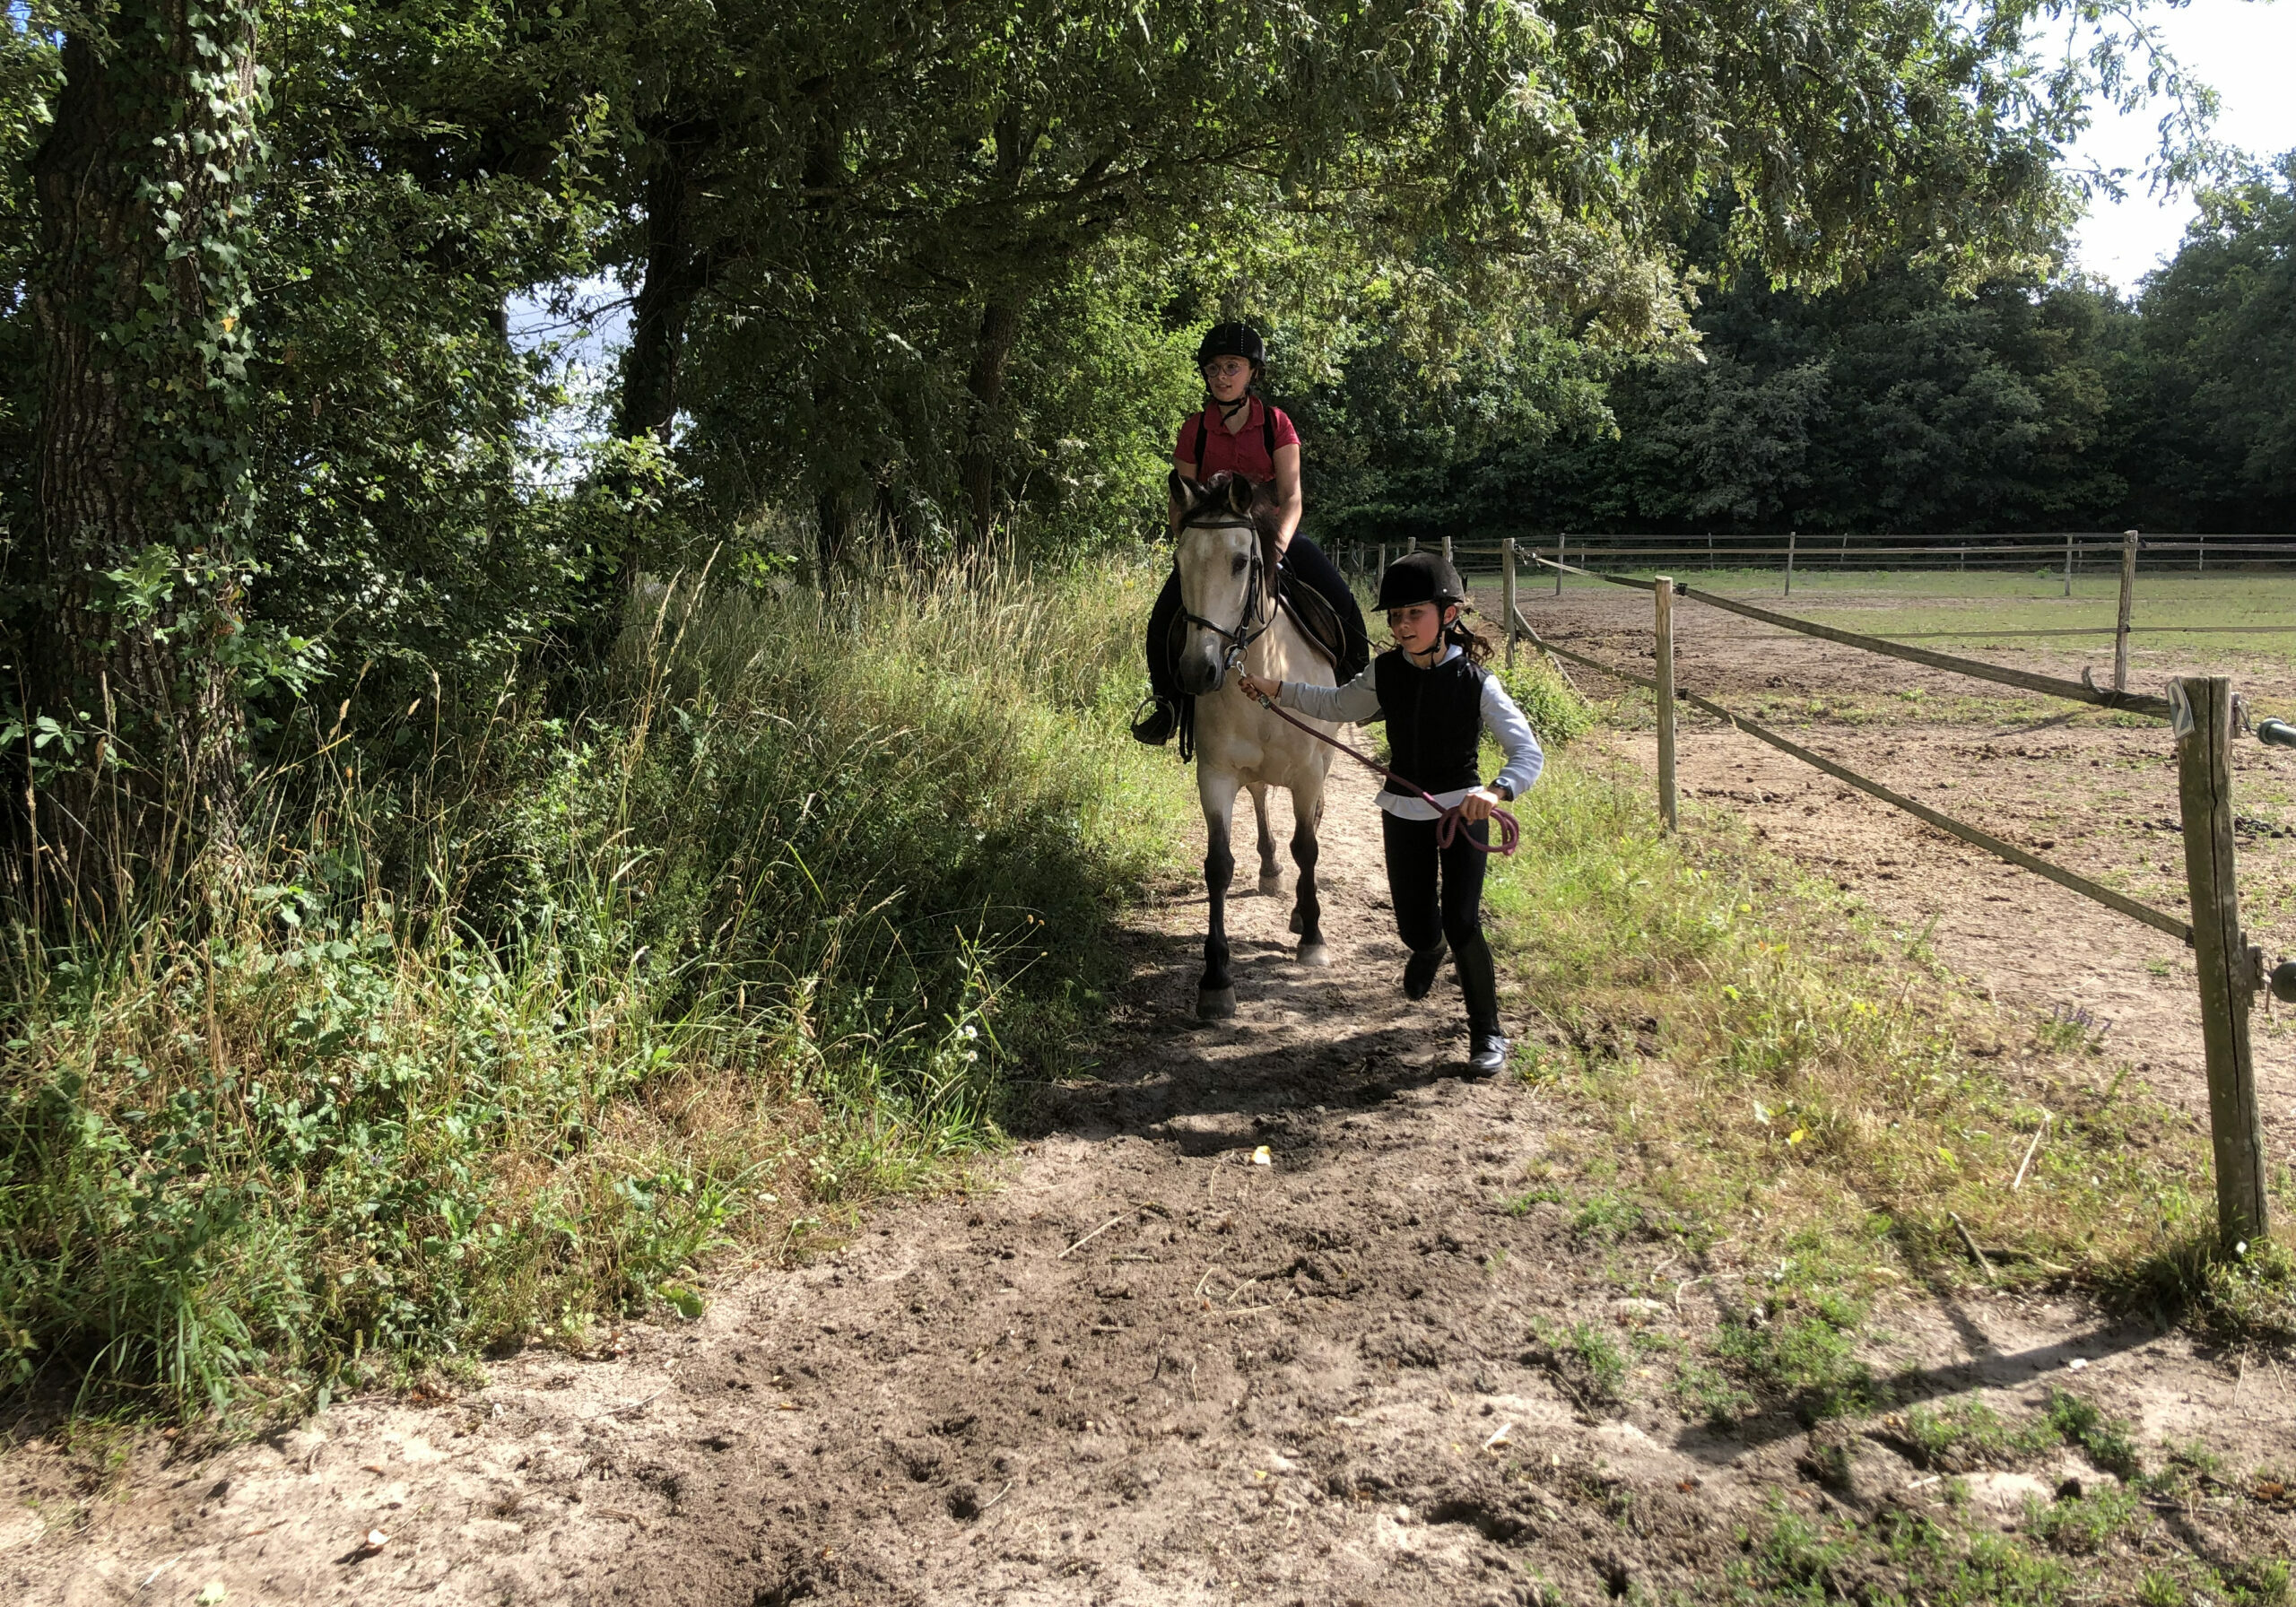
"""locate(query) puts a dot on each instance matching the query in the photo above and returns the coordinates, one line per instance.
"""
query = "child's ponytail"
(1474, 644)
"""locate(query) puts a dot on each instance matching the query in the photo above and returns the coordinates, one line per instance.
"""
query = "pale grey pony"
(1232, 621)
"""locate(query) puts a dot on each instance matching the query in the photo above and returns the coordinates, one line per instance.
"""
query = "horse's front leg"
(1307, 913)
(1270, 873)
(1215, 995)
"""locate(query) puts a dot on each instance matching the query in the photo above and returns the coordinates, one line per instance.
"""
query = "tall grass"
(512, 1019)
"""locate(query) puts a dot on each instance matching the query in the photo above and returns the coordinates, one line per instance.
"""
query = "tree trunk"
(837, 515)
(1000, 328)
(143, 452)
(676, 273)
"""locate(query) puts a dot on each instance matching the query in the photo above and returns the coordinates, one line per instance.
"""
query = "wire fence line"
(2159, 920)
(2069, 553)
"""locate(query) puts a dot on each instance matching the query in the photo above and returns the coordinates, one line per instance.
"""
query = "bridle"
(1246, 633)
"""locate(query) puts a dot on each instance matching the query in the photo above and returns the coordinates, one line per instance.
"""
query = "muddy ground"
(2078, 787)
(1133, 1366)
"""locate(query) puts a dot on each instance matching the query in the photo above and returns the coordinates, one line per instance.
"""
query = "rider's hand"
(1254, 687)
(1478, 804)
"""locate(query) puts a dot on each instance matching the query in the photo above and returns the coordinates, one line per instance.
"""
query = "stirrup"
(1154, 728)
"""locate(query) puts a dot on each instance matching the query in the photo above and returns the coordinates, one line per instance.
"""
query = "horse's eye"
(1237, 566)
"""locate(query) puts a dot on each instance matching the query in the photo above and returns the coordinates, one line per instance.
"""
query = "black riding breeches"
(1438, 897)
(1308, 565)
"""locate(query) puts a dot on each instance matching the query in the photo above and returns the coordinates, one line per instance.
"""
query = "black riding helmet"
(1231, 340)
(1420, 577)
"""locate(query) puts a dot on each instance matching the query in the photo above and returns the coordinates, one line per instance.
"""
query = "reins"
(1447, 828)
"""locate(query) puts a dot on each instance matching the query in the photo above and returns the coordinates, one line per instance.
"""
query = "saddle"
(1315, 616)
(1309, 609)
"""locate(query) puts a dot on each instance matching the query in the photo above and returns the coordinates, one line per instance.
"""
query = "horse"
(1225, 554)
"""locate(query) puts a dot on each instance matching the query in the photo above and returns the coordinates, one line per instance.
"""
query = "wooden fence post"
(1447, 546)
(1383, 557)
(1561, 556)
(1411, 545)
(2068, 564)
(1793, 539)
(1506, 594)
(2127, 608)
(2229, 969)
(1663, 596)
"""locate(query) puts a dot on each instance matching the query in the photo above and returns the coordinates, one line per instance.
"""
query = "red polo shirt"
(1242, 452)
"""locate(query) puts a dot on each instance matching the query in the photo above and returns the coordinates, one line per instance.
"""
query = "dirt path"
(1140, 1368)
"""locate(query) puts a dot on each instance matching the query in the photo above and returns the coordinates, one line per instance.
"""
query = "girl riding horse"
(1240, 434)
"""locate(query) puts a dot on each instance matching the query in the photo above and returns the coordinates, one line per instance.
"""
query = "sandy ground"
(2097, 797)
(1135, 1367)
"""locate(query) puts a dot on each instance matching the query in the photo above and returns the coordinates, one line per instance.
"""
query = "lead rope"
(1447, 828)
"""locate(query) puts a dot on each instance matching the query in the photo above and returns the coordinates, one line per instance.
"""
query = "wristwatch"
(1506, 793)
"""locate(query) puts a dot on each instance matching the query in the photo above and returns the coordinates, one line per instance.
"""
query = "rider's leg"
(1411, 892)
(1157, 726)
(1161, 681)
(1307, 563)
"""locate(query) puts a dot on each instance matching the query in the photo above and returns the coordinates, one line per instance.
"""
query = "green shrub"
(510, 1027)
(1555, 710)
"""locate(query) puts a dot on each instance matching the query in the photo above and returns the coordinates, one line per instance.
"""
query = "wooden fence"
(2200, 711)
(2066, 553)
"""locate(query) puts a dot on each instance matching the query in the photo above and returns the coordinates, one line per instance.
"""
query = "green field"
(1993, 607)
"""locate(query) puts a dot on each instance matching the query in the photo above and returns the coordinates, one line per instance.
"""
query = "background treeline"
(1898, 402)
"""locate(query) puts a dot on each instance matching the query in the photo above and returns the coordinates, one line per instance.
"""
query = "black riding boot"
(1419, 970)
(1164, 704)
(1479, 980)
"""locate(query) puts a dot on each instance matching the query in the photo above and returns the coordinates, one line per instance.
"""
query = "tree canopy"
(899, 278)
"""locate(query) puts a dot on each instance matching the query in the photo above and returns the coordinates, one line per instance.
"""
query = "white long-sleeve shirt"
(1359, 700)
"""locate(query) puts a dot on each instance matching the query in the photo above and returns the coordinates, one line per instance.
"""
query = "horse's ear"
(1241, 491)
(1179, 488)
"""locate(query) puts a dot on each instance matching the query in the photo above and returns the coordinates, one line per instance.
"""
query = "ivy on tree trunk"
(134, 729)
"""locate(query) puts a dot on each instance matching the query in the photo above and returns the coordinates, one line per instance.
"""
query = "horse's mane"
(1231, 493)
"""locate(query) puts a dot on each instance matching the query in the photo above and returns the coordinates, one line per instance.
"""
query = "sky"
(2245, 51)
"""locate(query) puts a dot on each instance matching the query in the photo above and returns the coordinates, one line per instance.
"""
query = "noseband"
(1246, 633)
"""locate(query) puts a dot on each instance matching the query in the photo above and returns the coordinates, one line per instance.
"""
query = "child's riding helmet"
(1420, 577)
(1231, 340)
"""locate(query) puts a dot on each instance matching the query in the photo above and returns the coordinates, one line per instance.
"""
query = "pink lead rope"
(1446, 829)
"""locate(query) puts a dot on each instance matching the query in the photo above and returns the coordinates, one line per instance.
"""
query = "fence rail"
(2071, 554)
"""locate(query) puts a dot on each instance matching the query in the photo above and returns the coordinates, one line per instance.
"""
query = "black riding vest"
(1434, 720)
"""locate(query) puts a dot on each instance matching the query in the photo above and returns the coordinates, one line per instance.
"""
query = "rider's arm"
(1288, 502)
(1358, 700)
(1505, 722)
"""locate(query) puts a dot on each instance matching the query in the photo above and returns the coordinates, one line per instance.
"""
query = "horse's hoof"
(1270, 886)
(1214, 1004)
(1315, 954)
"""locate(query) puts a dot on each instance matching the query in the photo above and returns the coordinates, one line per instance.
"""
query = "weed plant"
(508, 1019)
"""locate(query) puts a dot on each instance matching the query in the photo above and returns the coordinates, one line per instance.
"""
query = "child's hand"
(1478, 804)
(1254, 687)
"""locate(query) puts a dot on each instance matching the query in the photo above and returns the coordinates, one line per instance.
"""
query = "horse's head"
(1224, 528)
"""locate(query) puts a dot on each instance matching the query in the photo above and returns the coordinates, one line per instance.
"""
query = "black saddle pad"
(1313, 613)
